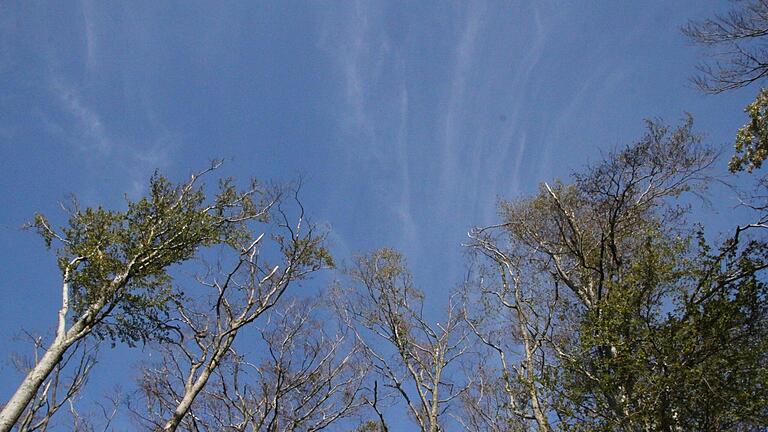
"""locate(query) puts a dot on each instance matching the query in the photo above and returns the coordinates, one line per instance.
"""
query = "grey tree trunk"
(186, 402)
(64, 339)
(192, 391)
(31, 384)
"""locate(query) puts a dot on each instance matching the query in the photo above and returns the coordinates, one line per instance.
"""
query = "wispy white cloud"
(91, 42)
(513, 135)
(88, 127)
(596, 89)
(518, 164)
(452, 123)
(437, 151)
(404, 210)
(349, 39)
(485, 120)
(84, 129)
(82, 114)
(374, 116)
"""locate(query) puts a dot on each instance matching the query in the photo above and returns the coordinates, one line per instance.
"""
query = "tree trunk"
(64, 339)
(32, 382)
(191, 393)
(186, 402)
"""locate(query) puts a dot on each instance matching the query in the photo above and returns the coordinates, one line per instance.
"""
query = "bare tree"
(486, 403)
(310, 379)
(737, 47)
(512, 316)
(384, 306)
(100, 416)
(236, 298)
(113, 265)
(305, 381)
(372, 398)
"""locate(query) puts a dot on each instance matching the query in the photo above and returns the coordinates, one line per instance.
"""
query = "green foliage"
(679, 344)
(117, 262)
(589, 227)
(307, 253)
(658, 328)
(719, 341)
(605, 384)
(752, 138)
(736, 44)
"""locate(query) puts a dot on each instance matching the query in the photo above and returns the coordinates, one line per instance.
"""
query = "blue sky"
(407, 120)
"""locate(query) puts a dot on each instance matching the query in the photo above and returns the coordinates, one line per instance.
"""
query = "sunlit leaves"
(124, 256)
(752, 138)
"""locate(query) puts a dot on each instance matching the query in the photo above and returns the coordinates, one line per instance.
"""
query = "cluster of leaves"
(613, 372)
(679, 343)
(752, 138)
(117, 262)
(674, 344)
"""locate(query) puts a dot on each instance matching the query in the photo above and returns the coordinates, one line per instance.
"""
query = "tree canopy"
(597, 302)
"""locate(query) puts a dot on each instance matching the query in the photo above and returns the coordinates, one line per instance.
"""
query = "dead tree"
(736, 44)
(258, 278)
(309, 377)
(511, 314)
(417, 357)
